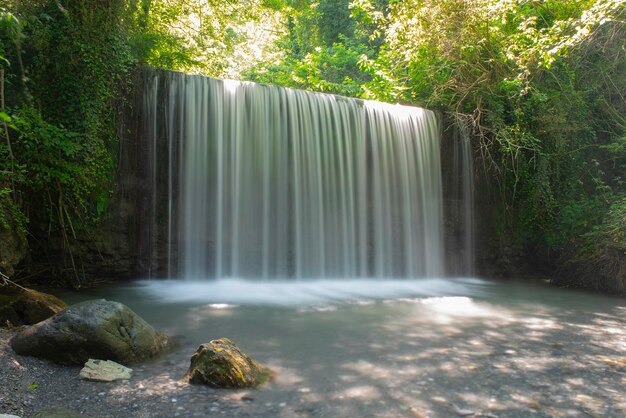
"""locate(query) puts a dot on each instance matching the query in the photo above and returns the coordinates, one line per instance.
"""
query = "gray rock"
(91, 329)
(221, 364)
(105, 371)
(8, 416)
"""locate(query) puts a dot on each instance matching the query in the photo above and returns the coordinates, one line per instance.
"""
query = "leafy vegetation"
(64, 68)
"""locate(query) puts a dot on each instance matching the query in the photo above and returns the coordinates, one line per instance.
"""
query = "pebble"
(462, 412)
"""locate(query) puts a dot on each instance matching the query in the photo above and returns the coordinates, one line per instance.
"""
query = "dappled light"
(495, 352)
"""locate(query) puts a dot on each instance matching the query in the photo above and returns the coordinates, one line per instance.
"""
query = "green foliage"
(334, 21)
(211, 37)
(61, 165)
(329, 47)
(66, 63)
(10, 214)
(335, 69)
(151, 43)
(612, 229)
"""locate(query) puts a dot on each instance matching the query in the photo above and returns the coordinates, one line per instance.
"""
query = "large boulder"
(21, 306)
(92, 329)
(221, 364)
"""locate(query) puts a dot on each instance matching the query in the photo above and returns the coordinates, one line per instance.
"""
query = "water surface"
(400, 347)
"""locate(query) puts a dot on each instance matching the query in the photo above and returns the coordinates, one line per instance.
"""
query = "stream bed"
(358, 348)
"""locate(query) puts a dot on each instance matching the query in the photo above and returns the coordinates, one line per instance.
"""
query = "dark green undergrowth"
(64, 64)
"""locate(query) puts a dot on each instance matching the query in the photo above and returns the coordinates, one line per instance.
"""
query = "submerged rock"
(26, 306)
(221, 364)
(105, 371)
(92, 329)
(462, 412)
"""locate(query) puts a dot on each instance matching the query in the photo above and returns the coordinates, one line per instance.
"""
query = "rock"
(91, 329)
(221, 364)
(57, 412)
(27, 306)
(462, 412)
(105, 371)
(8, 416)
(8, 316)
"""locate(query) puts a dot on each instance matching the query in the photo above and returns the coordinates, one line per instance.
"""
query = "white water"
(224, 293)
(463, 188)
(269, 182)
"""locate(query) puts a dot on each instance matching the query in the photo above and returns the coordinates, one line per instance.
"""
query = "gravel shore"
(30, 385)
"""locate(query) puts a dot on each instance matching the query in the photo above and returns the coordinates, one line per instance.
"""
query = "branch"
(5, 281)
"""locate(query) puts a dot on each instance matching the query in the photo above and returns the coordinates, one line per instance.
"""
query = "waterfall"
(464, 169)
(259, 181)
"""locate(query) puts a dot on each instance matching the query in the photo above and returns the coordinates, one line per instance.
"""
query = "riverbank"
(30, 385)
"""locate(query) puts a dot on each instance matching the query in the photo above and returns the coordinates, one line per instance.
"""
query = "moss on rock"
(26, 306)
(221, 364)
(92, 329)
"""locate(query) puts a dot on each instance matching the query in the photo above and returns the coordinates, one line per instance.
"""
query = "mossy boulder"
(26, 306)
(93, 329)
(221, 364)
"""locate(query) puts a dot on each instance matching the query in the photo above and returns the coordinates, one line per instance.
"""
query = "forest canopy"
(540, 84)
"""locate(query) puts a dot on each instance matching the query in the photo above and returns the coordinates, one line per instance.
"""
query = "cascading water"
(258, 181)
(460, 195)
